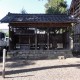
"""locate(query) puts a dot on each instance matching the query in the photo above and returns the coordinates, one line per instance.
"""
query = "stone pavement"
(66, 69)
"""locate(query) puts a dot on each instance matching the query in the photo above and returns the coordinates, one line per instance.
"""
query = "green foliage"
(63, 4)
(6, 33)
(52, 10)
(56, 6)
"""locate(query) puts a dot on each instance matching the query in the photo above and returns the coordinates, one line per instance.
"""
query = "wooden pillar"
(68, 39)
(35, 38)
(29, 42)
(19, 41)
(48, 39)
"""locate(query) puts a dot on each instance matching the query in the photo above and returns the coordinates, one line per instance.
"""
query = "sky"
(15, 6)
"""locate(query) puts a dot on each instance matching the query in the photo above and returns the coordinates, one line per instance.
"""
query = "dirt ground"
(65, 69)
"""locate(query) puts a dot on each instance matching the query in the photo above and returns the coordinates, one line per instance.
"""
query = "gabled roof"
(55, 18)
(74, 3)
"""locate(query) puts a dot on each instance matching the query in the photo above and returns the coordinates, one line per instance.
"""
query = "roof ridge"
(33, 14)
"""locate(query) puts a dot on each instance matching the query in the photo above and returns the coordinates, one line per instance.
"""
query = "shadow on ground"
(40, 68)
(13, 63)
(20, 76)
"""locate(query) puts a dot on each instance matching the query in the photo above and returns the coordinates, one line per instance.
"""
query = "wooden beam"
(41, 24)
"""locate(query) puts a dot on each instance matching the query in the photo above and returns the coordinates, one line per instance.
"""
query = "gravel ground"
(66, 69)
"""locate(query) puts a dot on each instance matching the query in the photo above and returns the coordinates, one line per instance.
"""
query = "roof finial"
(9, 13)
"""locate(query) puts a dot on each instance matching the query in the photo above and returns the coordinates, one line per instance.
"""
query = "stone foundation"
(40, 54)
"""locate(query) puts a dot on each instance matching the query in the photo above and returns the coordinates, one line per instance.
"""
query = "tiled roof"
(55, 18)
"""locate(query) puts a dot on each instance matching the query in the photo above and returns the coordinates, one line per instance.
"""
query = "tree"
(52, 10)
(23, 11)
(56, 6)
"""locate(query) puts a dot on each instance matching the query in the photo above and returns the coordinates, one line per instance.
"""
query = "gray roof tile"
(55, 18)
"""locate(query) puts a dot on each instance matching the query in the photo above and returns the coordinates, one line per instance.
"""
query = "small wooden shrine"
(38, 31)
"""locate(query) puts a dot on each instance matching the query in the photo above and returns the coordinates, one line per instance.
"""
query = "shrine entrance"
(39, 38)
